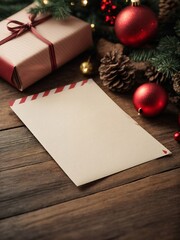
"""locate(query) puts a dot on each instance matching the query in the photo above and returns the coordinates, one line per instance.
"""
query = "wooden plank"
(18, 148)
(145, 209)
(38, 200)
(7, 118)
(28, 174)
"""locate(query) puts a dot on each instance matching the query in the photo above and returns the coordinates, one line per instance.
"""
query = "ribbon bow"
(21, 27)
(17, 28)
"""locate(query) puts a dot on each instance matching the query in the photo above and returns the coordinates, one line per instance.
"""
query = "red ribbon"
(19, 28)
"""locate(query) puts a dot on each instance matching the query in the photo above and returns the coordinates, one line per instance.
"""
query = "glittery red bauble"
(135, 25)
(177, 136)
(150, 99)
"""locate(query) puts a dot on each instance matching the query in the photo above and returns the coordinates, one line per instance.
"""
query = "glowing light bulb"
(92, 25)
(84, 2)
(45, 2)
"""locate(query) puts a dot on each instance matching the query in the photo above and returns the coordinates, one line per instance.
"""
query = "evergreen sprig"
(59, 9)
(166, 57)
(9, 7)
(169, 45)
(142, 54)
(167, 64)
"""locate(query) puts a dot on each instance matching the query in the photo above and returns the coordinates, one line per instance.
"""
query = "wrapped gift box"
(26, 59)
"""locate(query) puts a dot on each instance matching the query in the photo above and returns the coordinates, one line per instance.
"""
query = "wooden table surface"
(38, 201)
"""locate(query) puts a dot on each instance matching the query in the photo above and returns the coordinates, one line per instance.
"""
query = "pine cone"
(167, 8)
(176, 82)
(175, 100)
(103, 46)
(117, 72)
(154, 76)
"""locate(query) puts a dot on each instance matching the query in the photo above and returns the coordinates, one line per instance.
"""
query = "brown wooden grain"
(144, 209)
(38, 200)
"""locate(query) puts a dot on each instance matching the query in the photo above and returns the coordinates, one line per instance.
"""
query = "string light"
(45, 2)
(84, 2)
(92, 25)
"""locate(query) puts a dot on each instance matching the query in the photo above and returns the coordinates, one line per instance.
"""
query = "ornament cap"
(135, 2)
(140, 111)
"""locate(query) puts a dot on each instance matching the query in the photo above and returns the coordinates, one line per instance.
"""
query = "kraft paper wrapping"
(25, 59)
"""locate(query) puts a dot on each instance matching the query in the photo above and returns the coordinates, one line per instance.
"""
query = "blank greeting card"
(85, 132)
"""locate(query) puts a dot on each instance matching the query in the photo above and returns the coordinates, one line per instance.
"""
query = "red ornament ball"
(135, 25)
(150, 99)
(177, 136)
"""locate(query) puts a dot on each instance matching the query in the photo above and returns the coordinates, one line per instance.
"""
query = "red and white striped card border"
(48, 92)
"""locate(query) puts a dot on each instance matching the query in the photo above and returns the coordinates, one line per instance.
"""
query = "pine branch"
(10, 7)
(59, 9)
(166, 64)
(169, 45)
(143, 54)
(14, 2)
